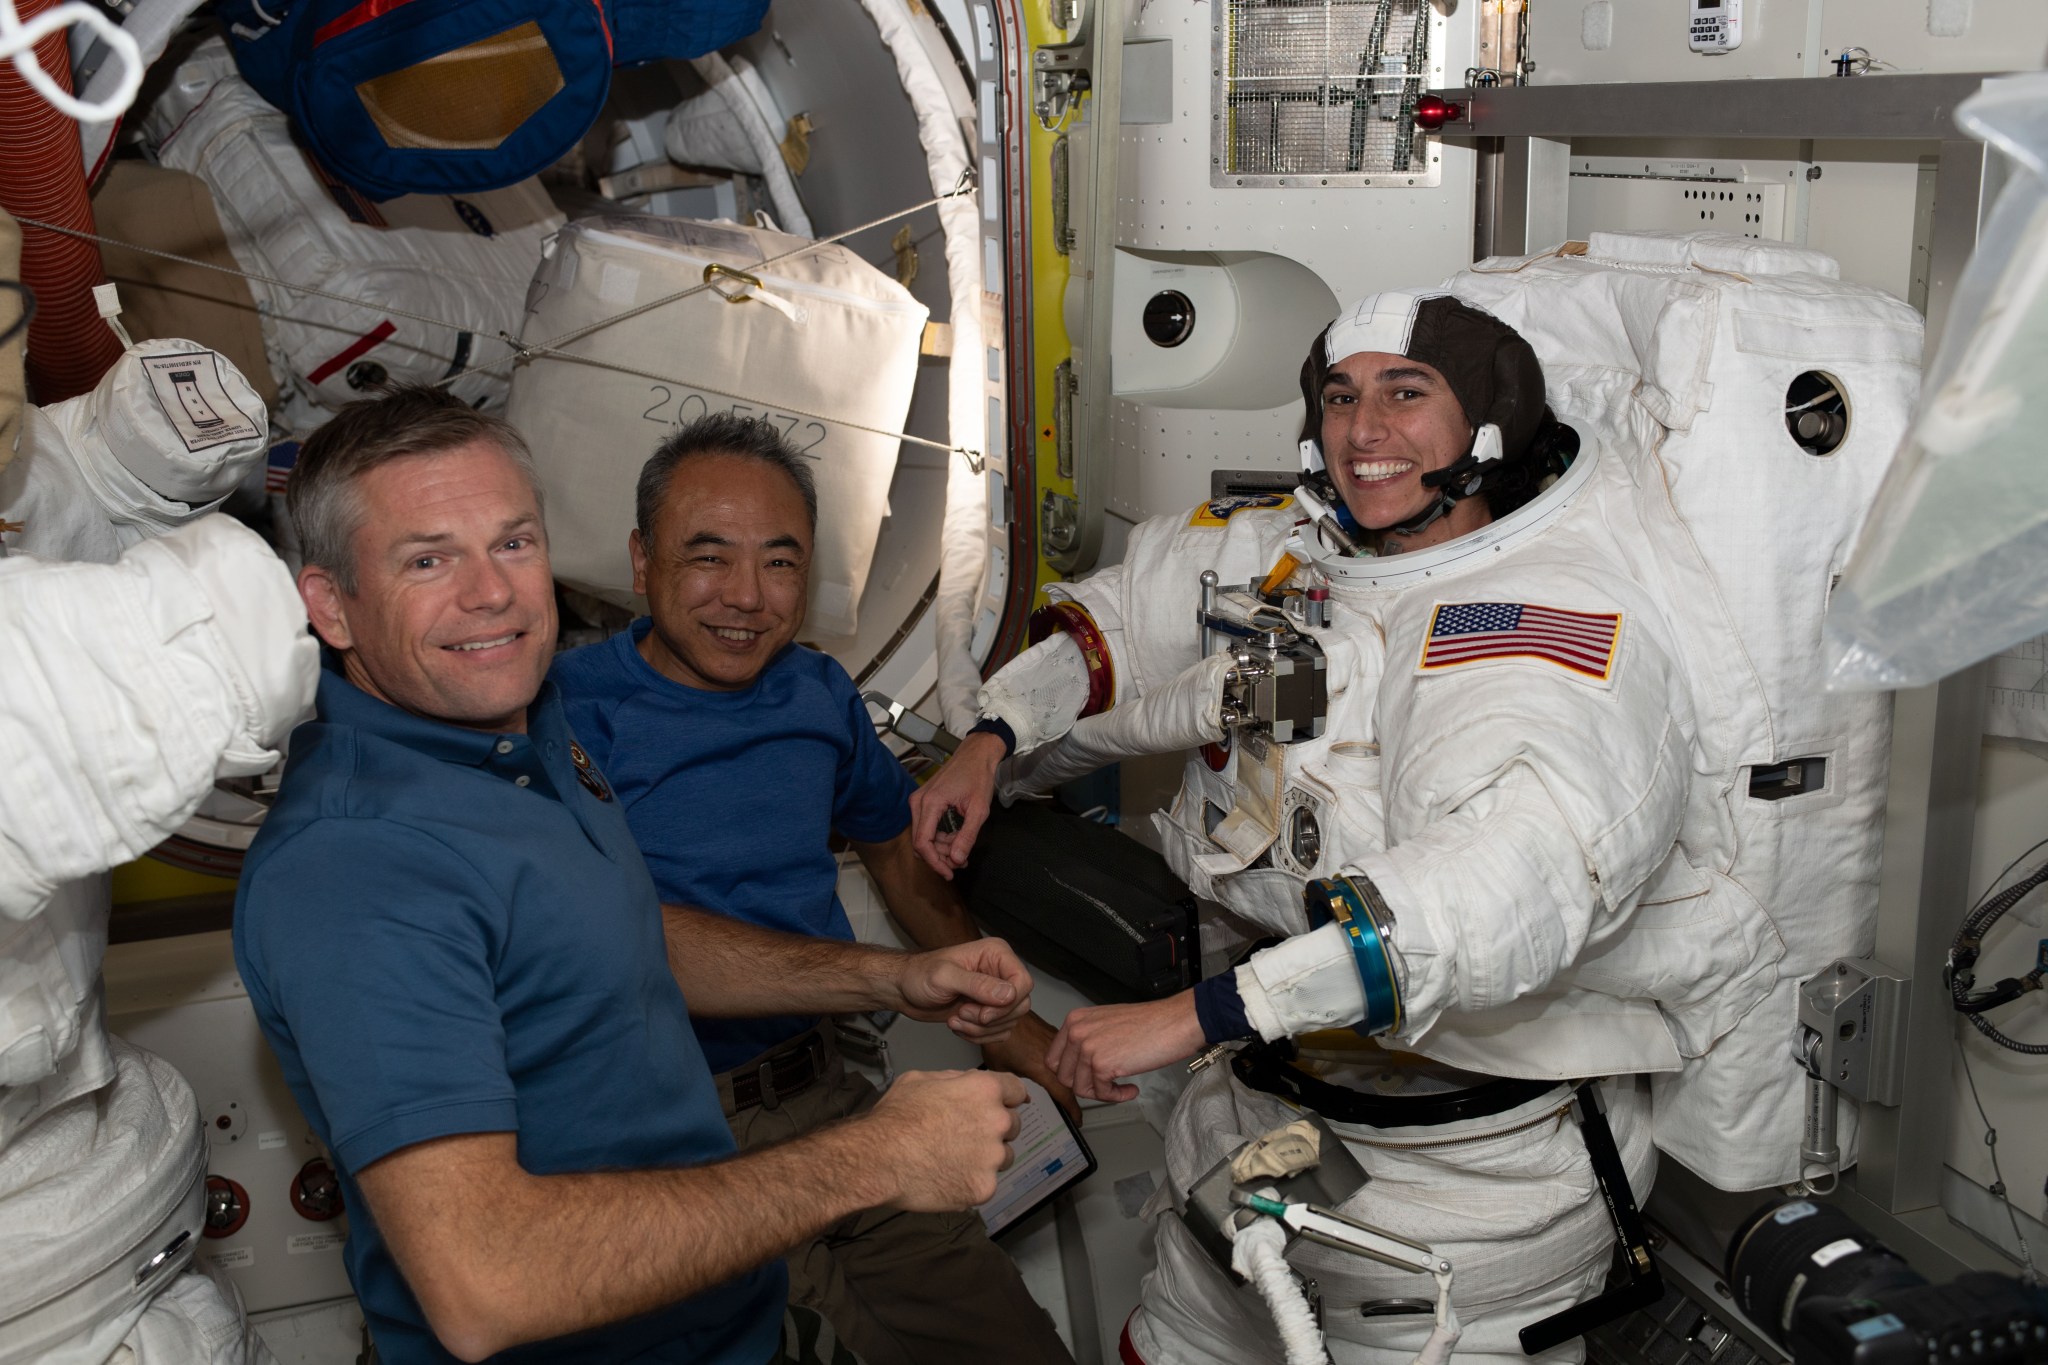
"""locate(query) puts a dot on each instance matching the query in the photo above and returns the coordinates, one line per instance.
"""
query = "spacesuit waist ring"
(1269, 1067)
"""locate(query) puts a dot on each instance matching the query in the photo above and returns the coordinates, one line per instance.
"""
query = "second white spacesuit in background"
(1538, 754)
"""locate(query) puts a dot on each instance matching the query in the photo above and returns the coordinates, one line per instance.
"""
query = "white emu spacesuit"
(1530, 783)
(177, 651)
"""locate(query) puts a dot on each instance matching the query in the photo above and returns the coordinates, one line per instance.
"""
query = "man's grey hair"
(719, 433)
(324, 494)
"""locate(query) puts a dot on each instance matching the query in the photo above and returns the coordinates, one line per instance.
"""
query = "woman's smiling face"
(1387, 421)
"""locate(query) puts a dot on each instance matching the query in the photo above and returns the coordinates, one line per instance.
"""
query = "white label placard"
(1835, 1251)
(300, 1243)
(189, 389)
(231, 1258)
(272, 1139)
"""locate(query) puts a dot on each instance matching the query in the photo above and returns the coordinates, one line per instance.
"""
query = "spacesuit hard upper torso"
(1521, 815)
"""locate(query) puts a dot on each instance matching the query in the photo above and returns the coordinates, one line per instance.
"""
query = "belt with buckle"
(787, 1071)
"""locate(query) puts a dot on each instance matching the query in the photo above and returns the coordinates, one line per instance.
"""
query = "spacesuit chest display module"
(1545, 777)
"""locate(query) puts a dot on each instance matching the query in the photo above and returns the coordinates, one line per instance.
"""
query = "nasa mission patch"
(1219, 511)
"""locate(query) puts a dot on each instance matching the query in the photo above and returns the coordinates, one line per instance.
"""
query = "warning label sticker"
(299, 1243)
(190, 391)
(231, 1258)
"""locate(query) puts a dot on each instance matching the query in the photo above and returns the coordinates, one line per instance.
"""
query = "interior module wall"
(1781, 38)
(1354, 240)
(1863, 208)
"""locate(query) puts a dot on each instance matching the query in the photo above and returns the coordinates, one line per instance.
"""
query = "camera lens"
(1169, 317)
(1797, 1249)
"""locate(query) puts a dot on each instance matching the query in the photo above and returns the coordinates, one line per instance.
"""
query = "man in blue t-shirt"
(736, 755)
(459, 957)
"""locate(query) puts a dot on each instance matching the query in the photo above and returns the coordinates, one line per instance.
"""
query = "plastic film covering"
(1949, 565)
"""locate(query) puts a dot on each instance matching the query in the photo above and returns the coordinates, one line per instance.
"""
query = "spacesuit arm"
(1039, 694)
(129, 686)
(1488, 903)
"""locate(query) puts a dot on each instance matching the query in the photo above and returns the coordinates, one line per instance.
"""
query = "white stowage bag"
(823, 346)
(161, 441)
(1747, 534)
(465, 260)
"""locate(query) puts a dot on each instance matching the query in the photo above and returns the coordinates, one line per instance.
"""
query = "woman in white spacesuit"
(1497, 790)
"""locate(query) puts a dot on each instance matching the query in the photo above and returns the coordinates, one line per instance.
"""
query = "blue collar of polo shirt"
(341, 702)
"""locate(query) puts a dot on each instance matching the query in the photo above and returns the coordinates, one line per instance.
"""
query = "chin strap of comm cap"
(1456, 481)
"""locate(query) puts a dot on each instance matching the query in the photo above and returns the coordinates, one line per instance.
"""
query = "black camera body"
(1831, 1294)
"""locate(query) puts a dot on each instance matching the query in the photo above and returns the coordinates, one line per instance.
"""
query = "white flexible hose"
(963, 537)
(739, 97)
(18, 40)
(1444, 1336)
(1257, 1254)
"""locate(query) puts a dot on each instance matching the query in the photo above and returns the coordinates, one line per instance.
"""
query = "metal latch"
(1852, 1020)
(929, 738)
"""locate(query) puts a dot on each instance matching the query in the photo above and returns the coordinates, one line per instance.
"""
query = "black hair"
(719, 433)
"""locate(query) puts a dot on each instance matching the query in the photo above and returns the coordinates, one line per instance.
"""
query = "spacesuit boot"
(1507, 1196)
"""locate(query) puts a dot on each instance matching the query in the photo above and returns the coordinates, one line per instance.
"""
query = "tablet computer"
(1051, 1157)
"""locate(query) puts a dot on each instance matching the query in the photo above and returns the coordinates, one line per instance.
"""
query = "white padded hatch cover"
(825, 346)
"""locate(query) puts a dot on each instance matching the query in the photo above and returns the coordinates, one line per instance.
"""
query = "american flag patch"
(277, 471)
(1582, 642)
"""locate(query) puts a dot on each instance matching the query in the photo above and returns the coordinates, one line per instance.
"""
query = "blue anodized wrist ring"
(1356, 904)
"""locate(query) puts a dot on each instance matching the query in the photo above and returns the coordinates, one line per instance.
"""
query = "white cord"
(1444, 1336)
(1256, 1254)
(18, 40)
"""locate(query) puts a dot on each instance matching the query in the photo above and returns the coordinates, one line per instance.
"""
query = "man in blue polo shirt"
(458, 955)
(736, 754)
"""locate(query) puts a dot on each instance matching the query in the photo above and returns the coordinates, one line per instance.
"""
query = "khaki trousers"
(902, 1288)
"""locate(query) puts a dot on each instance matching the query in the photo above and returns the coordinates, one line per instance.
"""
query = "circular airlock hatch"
(1817, 412)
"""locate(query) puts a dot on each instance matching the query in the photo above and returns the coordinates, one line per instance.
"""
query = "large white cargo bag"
(1682, 348)
(825, 347)
(463, 259)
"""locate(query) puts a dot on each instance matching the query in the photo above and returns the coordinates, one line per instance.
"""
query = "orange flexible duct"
(42, 176)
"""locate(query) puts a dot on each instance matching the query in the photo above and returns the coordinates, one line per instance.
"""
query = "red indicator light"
(1432, 113)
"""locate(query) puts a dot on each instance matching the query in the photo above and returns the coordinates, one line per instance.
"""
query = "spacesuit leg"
(1509, 1199)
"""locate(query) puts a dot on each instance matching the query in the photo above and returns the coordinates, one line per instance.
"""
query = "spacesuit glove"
(1182, 713)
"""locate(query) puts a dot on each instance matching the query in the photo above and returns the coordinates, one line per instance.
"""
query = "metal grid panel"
(1321, 92)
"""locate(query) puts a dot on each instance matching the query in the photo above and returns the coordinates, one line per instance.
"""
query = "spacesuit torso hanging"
(1570, 771)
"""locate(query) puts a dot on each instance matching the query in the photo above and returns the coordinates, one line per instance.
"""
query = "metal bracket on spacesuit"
(1275, 690)
(1210, 1203)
